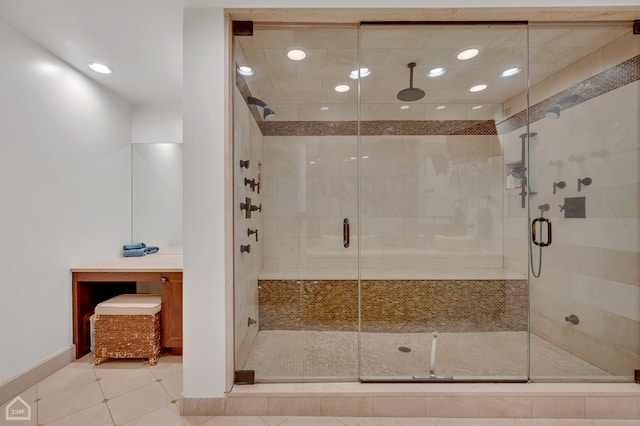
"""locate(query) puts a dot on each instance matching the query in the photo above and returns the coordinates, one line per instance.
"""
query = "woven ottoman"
(128, 326)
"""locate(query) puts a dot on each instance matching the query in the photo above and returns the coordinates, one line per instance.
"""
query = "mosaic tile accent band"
(378, 128)
(394, 305)
(613, 78)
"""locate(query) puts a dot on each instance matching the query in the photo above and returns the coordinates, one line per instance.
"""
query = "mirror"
(156, 194)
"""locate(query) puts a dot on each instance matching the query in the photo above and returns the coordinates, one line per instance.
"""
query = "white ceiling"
(142, 41)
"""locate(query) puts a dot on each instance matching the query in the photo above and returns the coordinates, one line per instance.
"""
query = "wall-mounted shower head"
(518, 172)
(267, 113)
(561, 184)
(553, 113)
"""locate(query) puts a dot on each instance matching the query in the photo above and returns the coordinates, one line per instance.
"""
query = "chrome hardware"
(244, 164)
(345, 233)
(585, 181)
(560, 185)
(163, 280)
(573, 319)
(256, 208)
(250, 232)
(533, 231)
(544, 207)
(251, 321)
(245, 249)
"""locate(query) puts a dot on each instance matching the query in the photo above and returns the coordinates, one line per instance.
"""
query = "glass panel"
(584, 110)
(443, 281)
(298, 281)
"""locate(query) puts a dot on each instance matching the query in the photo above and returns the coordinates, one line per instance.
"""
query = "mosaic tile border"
(378, 128)
(611, 79)
(394, 305)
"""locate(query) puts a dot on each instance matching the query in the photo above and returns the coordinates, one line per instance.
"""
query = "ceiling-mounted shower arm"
(411, 66)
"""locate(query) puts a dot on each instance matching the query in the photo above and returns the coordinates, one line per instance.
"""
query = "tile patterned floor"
(132, 393)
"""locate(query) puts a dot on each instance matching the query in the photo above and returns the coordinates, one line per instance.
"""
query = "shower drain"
(404, 349)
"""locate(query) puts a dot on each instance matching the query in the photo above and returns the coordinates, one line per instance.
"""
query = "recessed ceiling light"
(404, 107)
(363, 73)
(477, 88)
(101, 68)
(297, 53)
(476, 107)
(342, 88)
(436, 72)
(245, 70)
(467, 54)
(324, 108)
(441, 107)
(511, 71)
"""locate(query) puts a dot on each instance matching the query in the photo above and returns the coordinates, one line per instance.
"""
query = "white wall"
(64, 188)
(204, 311)
(157, 123)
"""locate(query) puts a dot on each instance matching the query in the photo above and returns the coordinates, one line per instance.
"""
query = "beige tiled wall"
(591, 268)
(425, 201)
(247, 146)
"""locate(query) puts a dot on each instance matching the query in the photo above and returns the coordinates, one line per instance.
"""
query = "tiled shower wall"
(425, 201)
(248, 143)
(592, 268)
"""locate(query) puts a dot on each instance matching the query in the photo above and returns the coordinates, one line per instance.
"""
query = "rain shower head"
(267, 113)
(412, 93)
(553, 113)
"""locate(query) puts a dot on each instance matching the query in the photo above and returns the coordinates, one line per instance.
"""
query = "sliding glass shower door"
(443, 248)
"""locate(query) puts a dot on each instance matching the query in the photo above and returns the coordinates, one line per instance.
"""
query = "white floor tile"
(168, 415)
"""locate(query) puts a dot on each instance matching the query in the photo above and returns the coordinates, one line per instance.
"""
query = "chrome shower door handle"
(345, 232)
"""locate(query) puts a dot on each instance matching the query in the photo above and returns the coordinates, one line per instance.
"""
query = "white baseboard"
(23, 381)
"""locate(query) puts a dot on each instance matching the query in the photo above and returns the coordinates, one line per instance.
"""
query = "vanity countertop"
(167, 259)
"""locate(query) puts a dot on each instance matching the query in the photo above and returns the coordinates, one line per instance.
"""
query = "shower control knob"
(562, 207)
(573, 319)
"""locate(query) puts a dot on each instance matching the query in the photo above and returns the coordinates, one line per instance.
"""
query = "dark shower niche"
(575, 207)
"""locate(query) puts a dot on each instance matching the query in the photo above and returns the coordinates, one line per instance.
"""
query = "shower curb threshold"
(441, 400)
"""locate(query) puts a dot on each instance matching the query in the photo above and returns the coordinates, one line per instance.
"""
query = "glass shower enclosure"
(386, 182)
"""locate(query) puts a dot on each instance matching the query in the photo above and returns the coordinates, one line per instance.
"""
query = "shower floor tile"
(333, 355)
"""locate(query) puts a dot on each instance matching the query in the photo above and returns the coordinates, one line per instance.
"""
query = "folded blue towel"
(134, 252)
(151, 249)
(134, 246)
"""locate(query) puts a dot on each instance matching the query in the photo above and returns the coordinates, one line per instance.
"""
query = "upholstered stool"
(128, 326)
